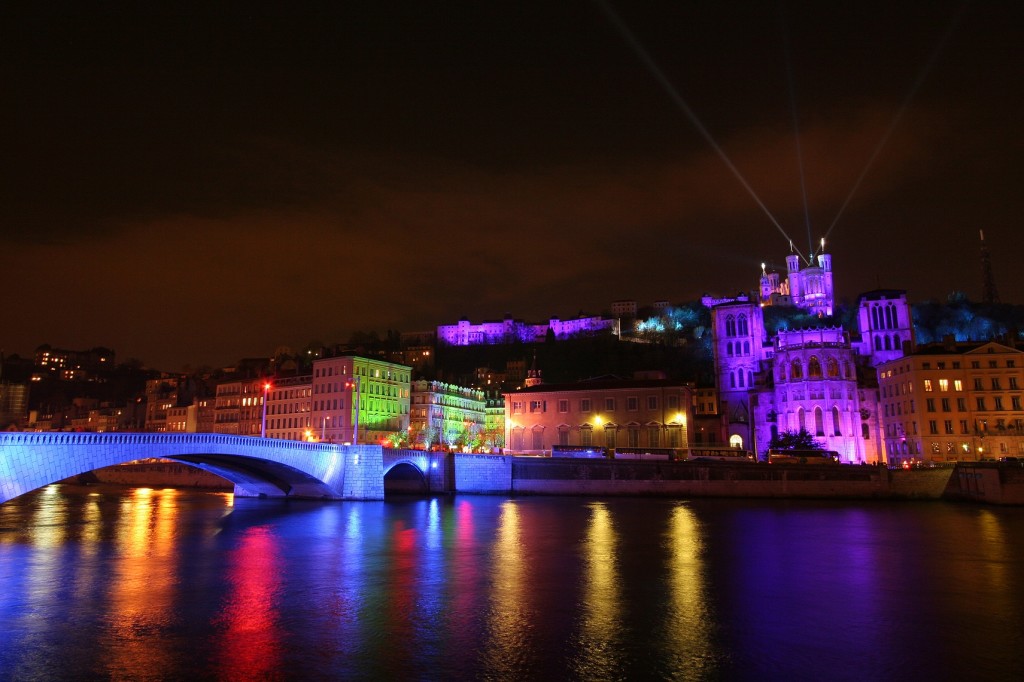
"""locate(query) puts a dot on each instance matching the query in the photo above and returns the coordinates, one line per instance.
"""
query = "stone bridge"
(258, 467)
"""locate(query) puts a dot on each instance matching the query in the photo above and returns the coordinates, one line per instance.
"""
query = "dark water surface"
(167, 584)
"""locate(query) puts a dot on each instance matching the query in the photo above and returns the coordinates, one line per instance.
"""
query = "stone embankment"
(989, 482)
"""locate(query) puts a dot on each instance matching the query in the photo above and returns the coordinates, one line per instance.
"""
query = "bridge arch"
(257, 466)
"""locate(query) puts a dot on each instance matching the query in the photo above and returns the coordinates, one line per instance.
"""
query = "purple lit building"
(509, 330)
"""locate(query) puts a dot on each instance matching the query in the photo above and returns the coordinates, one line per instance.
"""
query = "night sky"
(193, 187)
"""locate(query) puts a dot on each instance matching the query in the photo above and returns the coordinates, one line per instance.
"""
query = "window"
(977, 384)
(517, 407)
(609, 436)
(963, 426)
(633, 438)
(995, 384)
(609, 404)
(836, 427)
(945, 404)
(653, 436)
(813, 367)
(796, 370)
(538, 439)
(585, 407)
(943, 384)
(563, 435)
(999, 402)
(819, 422)
(563, 407)
(1013, 383)
(652, 402)
(632, 403)
(975, 364)
(927, 385)
(933, 426)
(1015, 401)
(948, 426)
(929, 404)
(586, 435)
(961, 404)
(537, 406)
(981, 403)
(673, 402)
(958, 385)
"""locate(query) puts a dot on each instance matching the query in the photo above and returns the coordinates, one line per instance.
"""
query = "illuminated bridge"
(258, 467)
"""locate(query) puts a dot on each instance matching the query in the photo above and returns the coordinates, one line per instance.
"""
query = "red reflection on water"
(251, 643)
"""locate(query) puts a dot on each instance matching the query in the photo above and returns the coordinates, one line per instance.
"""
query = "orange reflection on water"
(251, 643)
(144, 592)
(687, 620)
(509, 619)
(601, 632)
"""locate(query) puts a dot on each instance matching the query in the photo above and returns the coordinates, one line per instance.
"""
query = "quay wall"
(154, 474)
(483, 474)
(557, 476)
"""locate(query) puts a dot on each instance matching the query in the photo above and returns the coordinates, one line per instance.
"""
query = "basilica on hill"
(820, 379)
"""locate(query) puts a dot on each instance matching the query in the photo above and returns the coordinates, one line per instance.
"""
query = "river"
(139, 584)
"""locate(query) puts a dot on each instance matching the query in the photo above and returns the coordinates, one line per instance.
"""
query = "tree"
(795, 440)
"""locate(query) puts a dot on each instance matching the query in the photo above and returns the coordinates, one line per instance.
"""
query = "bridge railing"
(122, 438)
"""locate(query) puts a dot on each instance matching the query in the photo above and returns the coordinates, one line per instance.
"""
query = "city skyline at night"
(198, 186)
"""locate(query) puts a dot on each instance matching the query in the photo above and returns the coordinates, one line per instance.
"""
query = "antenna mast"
(989, 293)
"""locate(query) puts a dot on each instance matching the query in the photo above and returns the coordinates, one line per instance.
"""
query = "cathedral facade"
(822, 379)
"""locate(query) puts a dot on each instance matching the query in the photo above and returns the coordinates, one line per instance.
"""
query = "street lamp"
(263, 421)
(354, 385)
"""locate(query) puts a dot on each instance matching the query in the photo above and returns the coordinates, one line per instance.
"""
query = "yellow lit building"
(952, 402)
(604, 412)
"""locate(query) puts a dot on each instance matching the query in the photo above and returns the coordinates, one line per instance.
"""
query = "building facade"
(289, 409)
(953, 402)
(737, 326)
(446, 414)
(509, 330)
(610, 413)
(359, 400)
(811, 384)
(238, 407)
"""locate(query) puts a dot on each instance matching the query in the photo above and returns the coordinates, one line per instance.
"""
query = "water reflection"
(688, 620)
(509, 618)
(250, 645)
(163, 585)
(600, 646)
(142, 596)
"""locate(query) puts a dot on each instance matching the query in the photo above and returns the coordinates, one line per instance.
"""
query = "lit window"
(927, 385)
(943, 384)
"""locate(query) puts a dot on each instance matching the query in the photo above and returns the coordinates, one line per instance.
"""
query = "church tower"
(885, 323)
(533, 377)
(739, 336)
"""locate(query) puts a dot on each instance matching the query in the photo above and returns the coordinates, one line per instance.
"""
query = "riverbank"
(988, 483)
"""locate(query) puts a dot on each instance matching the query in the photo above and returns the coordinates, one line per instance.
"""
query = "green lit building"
(358, 399)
